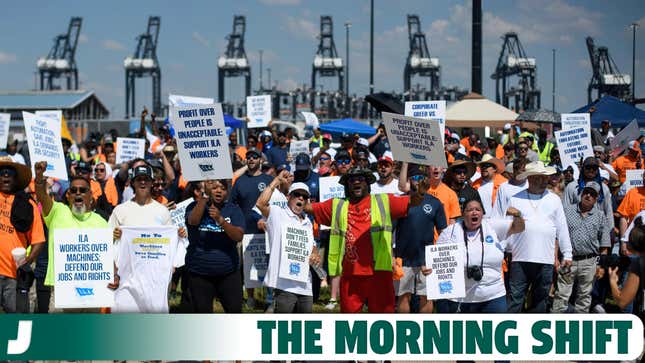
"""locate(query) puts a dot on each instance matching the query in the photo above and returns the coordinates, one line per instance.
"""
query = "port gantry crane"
(61, 60)
(326, 63)
(419, 61)
(606, 78)
(234, 63)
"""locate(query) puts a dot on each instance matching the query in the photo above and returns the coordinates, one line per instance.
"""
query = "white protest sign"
(83, 267)
(328, 188)
(414, 140)
(447, 279)
(258, 110)
(311, 119)
(573, 145)
(129, 148)
(56, 115)
(298, 146)
(180, 100)
(621, 141)
(178, 215)
(428, 110)
(574, 120)
(297, 244)
(5, 121)
(633, 178)
(201, 142)
(255, 260)
(45, 144)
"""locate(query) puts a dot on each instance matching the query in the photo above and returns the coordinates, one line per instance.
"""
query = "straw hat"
(487, 159)
(537, 168)
(23, 172)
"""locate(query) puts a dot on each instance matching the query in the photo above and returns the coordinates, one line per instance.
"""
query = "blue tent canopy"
(347, 125)
(617, 112)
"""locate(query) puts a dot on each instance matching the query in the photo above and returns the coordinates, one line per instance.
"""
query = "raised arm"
(404, 185)
(167, 168)
(41, 187)
(264, 198)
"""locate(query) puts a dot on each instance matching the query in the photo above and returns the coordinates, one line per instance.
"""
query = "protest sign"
(621, 141)
(428, 110)
(297, 244)
(573, 145)
(178, 214)
(44, 142)
(255, 258)
(201, 142)
(633, 178)
(414, 140)
(574, 120)
(258, 110)
(329, 188)
(447, 279)
(311, 119)
(180, 100)
(83, 267)
(298, 146)
(129, 148)
(5, 121)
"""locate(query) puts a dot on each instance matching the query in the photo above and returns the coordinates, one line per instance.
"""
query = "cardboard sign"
(447, 280)
(311, 119)
(621, 141)
(428, 110)
(44, 142)
(178, 214)
(573, 145)
(83, 267)
(297, 244)
(328, 188)
(201, 142)
(415, 140)
(5, 122)
(633, 178)
(128, 148)
(298, 146)
(180, 100)
(574, 120)
(258, 110)
(256, 261)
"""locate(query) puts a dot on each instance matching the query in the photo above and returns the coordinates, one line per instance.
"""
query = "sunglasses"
(101, 170)
(252, 157)
(359, 178)
(417, 178)
(297, 194)
(459, 171)
(344, 162)
(157, 185)
(590, 192)
(78, 190)
(7, 172)
(324, 158)
(523, 148)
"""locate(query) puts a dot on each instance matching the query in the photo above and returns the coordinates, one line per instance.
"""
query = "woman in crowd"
(215, 226)
(635, 278)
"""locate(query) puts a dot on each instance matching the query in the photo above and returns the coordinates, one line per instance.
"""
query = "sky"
(193, 35)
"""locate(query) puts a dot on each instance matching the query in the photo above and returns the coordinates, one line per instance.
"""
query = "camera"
(475, 272)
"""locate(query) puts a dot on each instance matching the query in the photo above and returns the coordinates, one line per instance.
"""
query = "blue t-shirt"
(277, 155)
(416, 231)
(211, 252)
(245, 193)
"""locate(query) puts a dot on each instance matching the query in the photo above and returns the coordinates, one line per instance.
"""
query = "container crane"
(61, 60)
(419, 61)
(326, 63)
(513, 61)
(144, 63)
(234, 62)
(606, 78)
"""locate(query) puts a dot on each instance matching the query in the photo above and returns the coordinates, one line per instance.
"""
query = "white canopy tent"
(474, 110)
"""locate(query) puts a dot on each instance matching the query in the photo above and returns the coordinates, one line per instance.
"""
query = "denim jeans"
(539, 277)
(495, 306)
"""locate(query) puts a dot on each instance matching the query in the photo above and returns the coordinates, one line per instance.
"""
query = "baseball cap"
(253, 150)
(590, 161)
(299, 186)
(265, 133)
(593, 185)
(84, 166)
(386, 157)
(342, 155)
(303, 162)
(599, 148)
(142, 170)
(345, 137)
(363, 141)
(507, 127)
(634, 145)
(327, 136)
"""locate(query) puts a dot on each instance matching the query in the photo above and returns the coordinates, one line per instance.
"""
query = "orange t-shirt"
(624, 163)
(498, 180)
(450, 202)
(182, 183)
(466, 143)
(241, 152)
(10, 238)
(161, 199)
(499, 152)
(632, 204)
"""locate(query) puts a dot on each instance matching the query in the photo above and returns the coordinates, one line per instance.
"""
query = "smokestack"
(476, 82)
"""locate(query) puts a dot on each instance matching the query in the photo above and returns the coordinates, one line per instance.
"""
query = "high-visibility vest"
(545, 155)
(380, 231)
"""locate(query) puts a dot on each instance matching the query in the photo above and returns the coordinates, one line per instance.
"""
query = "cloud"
(301, 28)
(83, 39)
(201, 39)
(439, 26)
(280, 2)
(6, 58)
(288, 84)
(111, 44)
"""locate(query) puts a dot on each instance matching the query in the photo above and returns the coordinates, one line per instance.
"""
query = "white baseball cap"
(299, 186)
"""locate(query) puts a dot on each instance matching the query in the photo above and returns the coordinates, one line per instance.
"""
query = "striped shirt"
(588, 233)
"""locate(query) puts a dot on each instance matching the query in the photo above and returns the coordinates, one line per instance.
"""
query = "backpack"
(22, 212)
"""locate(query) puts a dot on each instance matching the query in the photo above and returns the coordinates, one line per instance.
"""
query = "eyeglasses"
(344, 162)
(78, 190)
(358, 178)
(7, 172)
(417, 178)
(298, 194)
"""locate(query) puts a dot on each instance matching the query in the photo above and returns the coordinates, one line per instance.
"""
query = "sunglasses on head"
(299, 194)
(78, 190)
(7, 172)
(344, 162)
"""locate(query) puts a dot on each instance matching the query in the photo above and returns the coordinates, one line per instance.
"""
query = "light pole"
(269, 74)
(553, 92)
(347, 26)
(261, 84)
(371, 53)
(634, 25)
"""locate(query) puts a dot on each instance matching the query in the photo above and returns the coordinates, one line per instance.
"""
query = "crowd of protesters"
(539, 236)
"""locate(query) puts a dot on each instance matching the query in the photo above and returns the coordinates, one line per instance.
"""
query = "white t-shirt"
(18, 158)
(486, 194)
(504, 193)
(544, 221)
(391, 188)
(130, 213)
(491, 286)
(277, 218)
(278, 199)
